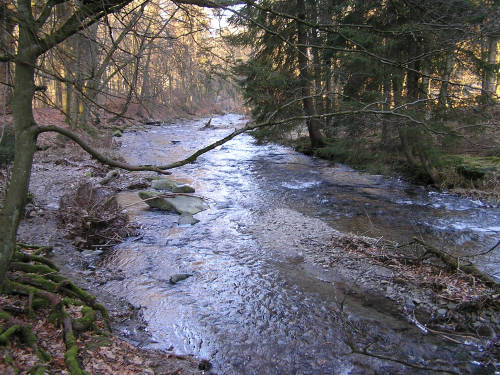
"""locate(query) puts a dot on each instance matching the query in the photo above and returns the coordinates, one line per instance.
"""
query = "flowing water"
(253, 305)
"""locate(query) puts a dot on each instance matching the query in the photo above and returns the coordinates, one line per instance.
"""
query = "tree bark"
(25, 132)
(7, 48)
(443, 92)
(313, 123)
(490, 75)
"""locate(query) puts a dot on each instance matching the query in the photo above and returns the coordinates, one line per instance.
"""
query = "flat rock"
(171, 185)
(182, 204)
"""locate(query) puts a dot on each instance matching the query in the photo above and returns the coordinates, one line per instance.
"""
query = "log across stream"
(262, 298)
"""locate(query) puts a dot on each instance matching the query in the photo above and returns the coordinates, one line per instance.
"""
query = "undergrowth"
(455, 171)
(93, 218)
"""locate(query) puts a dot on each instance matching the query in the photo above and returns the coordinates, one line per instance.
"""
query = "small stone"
(88, 253)
(179, 277)
(187, 220)
(442, 312)
(485, 331)
(171, 185)
(183, 189)
(204, 365)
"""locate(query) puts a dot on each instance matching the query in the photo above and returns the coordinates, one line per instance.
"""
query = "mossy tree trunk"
(25, 132)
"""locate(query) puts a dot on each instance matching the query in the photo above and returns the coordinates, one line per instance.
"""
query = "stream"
(255, 303)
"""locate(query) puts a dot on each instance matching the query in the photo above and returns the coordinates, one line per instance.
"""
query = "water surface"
(253, 305)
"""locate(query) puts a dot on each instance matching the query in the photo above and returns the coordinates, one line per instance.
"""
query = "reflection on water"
(253, 306)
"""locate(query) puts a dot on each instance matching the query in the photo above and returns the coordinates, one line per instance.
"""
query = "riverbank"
(397, 283)
(59, 168)
(472, 175)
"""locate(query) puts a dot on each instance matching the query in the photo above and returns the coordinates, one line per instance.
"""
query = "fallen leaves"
(100, 352)
(452, 285)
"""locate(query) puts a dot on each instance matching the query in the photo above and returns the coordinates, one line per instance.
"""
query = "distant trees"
(61, 53)
(398, 71)
(153, 55)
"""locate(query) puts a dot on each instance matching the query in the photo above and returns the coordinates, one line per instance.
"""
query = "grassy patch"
(470, 171)
(363, 156)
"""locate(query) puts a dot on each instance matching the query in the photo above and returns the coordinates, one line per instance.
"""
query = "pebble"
(179, 277)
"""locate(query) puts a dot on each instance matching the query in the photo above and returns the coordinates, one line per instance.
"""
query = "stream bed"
(258, 302)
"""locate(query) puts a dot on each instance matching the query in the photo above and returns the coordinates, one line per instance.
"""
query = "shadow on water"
(253, 305)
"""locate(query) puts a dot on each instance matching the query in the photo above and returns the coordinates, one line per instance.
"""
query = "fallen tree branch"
(454, 263)
(96, 154)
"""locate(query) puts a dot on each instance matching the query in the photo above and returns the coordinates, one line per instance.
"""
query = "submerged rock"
(187, 220)
(179, 277)
(171, 185)
(182, 204)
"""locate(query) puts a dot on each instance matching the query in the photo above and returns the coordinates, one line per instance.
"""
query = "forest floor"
(449, 303)
(59, 168)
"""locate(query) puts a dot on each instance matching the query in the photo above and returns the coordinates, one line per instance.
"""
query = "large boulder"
(182, 204)
(171, 185)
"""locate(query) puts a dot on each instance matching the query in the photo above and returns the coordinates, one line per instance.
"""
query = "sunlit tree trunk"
(489, 83)
(445, 79)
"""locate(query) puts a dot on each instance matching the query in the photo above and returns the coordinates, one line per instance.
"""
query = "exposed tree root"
(23, 257)
(5, 337)
(71, 356)
(38, 370)
(36, 278)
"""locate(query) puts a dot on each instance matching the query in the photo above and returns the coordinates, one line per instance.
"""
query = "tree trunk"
(386, 106)
(25, 131)
(313, 123)
(443, 92)
(490, 75)
(6, 46)
(89, 64)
